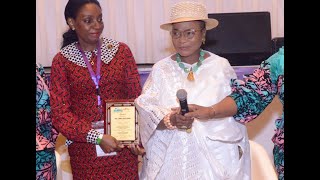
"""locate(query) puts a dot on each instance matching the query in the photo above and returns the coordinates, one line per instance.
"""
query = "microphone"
(182, 96)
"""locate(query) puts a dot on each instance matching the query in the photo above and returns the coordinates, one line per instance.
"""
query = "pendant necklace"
(93, 55)
(192, 69)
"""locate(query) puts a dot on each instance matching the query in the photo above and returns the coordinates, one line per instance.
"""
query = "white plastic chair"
(62, 159)
(262, 168)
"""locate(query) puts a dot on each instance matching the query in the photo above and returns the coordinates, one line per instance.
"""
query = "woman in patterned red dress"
(86, 72)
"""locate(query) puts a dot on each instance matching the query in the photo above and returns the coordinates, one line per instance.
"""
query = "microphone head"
(182, 94)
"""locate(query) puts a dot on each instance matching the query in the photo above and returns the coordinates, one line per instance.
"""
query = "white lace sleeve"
(150, 111)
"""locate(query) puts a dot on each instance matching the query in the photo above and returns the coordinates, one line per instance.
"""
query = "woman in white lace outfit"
(183, 148)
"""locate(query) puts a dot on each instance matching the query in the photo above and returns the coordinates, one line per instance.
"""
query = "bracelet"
(213, 114)
(99, 138)
(167, 123)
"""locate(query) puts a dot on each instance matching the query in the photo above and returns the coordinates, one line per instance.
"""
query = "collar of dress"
(109, 48)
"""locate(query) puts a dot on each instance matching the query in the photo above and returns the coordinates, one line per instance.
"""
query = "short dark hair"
(71, 11)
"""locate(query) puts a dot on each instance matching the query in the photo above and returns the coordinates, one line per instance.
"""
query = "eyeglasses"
(189, 34)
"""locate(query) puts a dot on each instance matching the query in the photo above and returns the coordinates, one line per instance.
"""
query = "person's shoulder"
(38, 65)
(163, 61)
(114, 45)
(67, 51)
(216, 56)
(218, 59)
(111, 43)
(39, 68)
(57, 57)
(276, 63)
(124, 45)
(162, 64)
(276, 59)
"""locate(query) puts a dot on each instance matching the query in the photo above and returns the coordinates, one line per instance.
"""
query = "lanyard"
(94, 76)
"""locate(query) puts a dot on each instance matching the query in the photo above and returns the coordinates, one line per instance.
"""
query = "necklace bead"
(192, 69)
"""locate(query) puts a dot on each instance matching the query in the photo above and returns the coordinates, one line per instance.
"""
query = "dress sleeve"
(63, 118)
(252, 95)
(150, 111)
(133, 87)
(257, 90)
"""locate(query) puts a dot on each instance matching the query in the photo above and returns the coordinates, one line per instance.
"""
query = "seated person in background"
(249, 98)
(184, 148)
(46, 134)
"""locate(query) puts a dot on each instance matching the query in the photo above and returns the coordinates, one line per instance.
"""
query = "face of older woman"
(88, 25)
(187, 38)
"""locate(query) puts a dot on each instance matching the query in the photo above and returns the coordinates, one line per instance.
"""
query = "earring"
(203, 41)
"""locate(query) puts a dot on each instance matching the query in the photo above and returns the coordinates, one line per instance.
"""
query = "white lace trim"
(109, 49)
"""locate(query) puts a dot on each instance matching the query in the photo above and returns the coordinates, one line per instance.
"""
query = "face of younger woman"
(88, 25)
(187, 37)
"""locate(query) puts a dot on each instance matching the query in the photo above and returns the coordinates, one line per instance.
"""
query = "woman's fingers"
(183, 122)
(135, 149)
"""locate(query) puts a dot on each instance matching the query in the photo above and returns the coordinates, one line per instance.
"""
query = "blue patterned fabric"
(256, 92)
(46, 135)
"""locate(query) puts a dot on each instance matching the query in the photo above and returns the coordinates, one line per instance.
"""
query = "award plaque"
(122, 121)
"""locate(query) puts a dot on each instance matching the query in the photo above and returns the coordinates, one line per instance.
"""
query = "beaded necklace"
(192, 69)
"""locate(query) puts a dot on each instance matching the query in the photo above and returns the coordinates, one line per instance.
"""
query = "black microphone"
(182, 96)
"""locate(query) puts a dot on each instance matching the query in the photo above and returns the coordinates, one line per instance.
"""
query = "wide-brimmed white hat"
(189, 11)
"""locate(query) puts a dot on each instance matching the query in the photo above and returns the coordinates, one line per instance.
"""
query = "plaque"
(122, 121)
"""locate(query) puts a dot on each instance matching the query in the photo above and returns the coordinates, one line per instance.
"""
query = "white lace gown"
(210, 151)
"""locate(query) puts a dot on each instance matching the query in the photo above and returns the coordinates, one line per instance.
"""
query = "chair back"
(262, 168)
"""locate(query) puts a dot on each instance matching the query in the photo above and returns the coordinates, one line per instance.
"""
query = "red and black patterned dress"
(74, 106)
